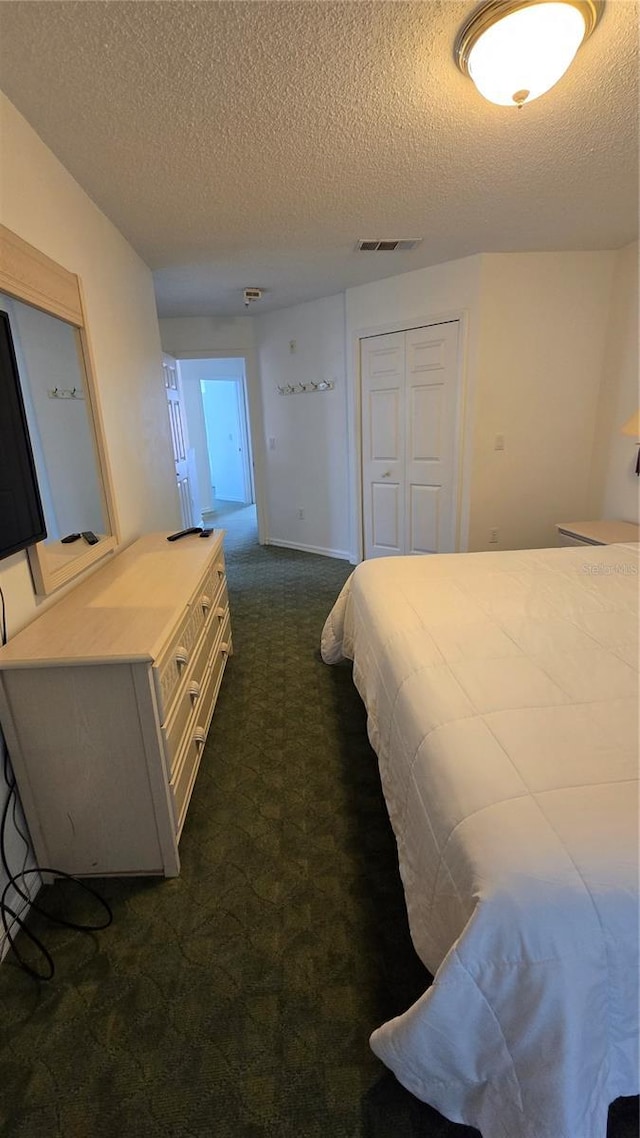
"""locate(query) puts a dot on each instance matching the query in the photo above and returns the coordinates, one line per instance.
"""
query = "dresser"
(596, 533)
(106, 700)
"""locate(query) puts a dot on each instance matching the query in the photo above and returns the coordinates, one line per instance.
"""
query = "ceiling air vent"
(399, 245)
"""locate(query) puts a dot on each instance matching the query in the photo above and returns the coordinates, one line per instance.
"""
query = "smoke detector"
(251, 294)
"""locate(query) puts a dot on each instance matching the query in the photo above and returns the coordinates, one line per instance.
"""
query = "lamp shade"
(632, 426)
(515, 50)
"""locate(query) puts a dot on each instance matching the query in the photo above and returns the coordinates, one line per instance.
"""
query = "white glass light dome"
(515, 53)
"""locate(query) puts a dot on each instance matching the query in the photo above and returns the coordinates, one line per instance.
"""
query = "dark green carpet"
(236, 1001)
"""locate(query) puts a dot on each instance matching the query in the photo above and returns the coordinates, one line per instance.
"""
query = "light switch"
(499, 443)
(272, 443)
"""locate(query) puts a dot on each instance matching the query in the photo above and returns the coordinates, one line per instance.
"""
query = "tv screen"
(21, 517)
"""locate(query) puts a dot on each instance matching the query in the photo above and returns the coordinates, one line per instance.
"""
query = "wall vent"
(387, 245)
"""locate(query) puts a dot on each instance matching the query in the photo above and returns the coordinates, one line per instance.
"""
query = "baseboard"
(339, 554)
(33, 889)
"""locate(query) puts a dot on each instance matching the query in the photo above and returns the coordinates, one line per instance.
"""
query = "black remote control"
(90, 537)
(184, 532)
(69, 538)
(206, 533)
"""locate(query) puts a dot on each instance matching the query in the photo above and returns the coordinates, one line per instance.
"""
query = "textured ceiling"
(252, 143)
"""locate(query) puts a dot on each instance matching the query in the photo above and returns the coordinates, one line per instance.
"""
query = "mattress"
(501, 694)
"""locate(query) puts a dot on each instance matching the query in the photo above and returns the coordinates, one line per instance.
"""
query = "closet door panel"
(385, 517)
(385, 425)
(425, 424)
(424, 519)
(430, 409)
(383, 444)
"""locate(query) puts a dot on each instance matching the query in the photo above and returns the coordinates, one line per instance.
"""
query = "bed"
(501, 697)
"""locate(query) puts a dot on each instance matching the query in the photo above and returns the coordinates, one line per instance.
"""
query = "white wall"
(535, 327)
(542, 339)
(184, 336)
(42, 203)
(549, 362)
(307, 464)
(212, 369)
(615, 485)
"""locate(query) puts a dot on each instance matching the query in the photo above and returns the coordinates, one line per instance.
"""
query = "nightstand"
(596, 533)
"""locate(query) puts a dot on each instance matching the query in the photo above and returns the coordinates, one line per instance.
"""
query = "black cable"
(6, 911)
(3, 620)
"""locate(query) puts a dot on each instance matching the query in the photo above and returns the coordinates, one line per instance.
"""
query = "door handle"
(387, 474)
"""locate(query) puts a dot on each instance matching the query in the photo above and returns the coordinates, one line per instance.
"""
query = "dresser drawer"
(174, 660)
(182, 785)
(213, 679)
(191, 692)
(213, 580)
(186, 767)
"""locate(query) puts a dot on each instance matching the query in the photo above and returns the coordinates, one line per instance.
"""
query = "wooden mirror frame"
(28, 275)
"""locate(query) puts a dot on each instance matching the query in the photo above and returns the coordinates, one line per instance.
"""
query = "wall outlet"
(292, 346)
(301, 515)
(499, 442)
(272, 443)
(493, 536)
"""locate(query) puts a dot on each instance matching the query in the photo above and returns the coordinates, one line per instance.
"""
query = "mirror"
(52, 356)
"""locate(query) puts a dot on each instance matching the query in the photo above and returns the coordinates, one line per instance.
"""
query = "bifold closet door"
(383, 450)
(409, 402)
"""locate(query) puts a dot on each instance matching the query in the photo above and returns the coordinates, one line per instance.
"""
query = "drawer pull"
(182, 656)
(194, 691)
(220, 569)
(221, 613)
(224, 649)
(205, 603)
(199, 737)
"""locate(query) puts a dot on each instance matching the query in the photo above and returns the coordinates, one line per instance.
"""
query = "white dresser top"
(601, 532)
(124, 611)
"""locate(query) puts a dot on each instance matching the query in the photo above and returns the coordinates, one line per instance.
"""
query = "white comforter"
(501, 691)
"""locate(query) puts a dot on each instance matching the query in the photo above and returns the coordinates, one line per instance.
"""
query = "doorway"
(227, 441)
(215, 405)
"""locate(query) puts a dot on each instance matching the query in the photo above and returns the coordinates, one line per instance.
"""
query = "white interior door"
(179, 439)
(409, 383)
(430, 420)
(383, 444)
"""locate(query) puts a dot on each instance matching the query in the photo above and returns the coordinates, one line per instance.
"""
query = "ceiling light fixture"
(515, 50)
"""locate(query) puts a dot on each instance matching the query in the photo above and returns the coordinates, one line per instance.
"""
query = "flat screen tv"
(21, 517)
